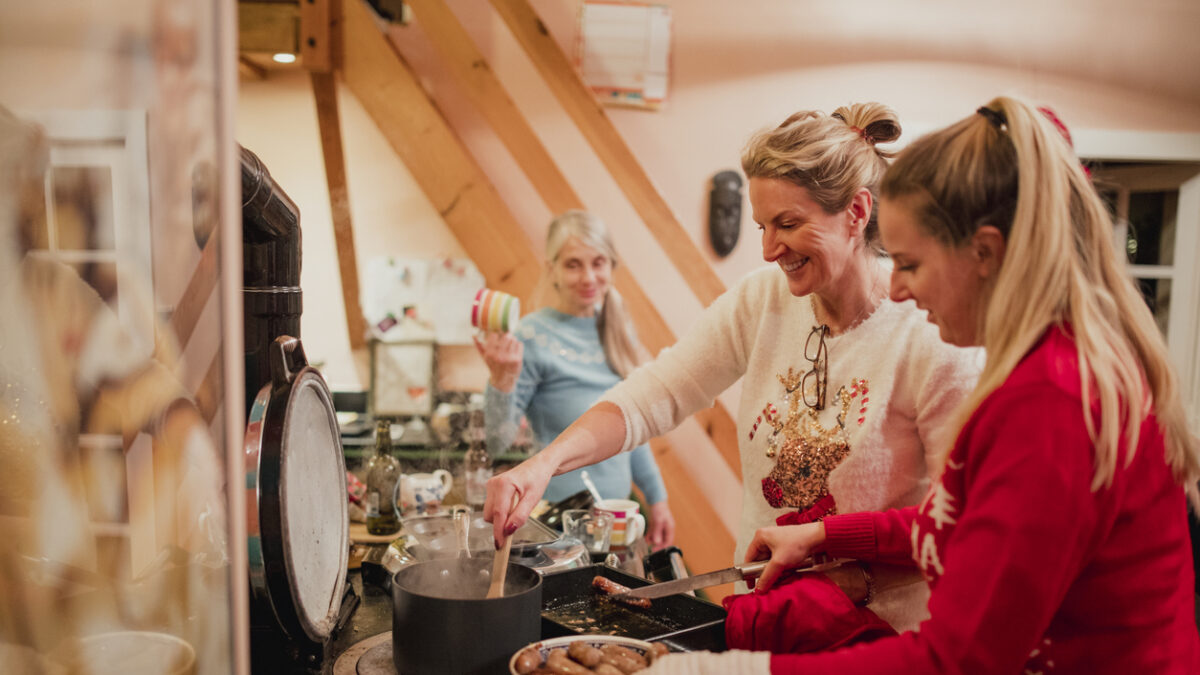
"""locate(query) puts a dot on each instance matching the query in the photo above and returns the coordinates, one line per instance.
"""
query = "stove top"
(372, 656)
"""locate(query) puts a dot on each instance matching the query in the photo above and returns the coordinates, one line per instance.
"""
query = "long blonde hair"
(621, 348)
(831, 156)
(1008, 166)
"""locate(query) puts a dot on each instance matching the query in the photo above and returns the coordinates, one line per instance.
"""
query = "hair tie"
(996, 117)
(1049, 114)
(862, 132)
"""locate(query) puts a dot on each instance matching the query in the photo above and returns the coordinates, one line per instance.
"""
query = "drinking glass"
(590, 527)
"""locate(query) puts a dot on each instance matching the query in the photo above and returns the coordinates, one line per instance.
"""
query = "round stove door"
(301, 498)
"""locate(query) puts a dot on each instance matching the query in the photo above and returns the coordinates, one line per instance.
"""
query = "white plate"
(544, 646)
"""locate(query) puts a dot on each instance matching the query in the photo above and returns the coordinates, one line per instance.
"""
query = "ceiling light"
(284, 57)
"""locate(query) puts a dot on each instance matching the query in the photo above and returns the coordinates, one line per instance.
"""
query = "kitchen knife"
(735, 573)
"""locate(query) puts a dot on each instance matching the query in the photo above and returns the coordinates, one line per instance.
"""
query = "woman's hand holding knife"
(787, 547)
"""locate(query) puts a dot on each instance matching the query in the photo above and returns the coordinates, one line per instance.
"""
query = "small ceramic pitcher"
(423, 492)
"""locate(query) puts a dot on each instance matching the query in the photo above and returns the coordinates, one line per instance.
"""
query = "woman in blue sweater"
(564, 357)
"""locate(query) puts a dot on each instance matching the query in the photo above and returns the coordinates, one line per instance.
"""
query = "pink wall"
(736, 68)
(741, 66)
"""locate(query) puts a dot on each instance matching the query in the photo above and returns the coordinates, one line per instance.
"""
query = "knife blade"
(735, 573)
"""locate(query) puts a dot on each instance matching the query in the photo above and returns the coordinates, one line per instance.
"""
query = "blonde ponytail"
(1009, 167)
(621, 347)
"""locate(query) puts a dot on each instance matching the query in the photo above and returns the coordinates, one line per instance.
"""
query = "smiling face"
(948, 282)
(813, 248)
(581, 277)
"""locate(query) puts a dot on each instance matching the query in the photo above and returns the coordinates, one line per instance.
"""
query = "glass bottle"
(477, 465)
(383, 471)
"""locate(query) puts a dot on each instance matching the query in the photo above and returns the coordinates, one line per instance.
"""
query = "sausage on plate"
(584, 653)
(529, 660)
(626, 660)
(559, 663)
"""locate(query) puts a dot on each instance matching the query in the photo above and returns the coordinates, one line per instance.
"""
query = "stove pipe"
(271, 295)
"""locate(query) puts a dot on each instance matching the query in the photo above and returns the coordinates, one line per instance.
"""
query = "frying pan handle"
(287, 358)
(678, 569)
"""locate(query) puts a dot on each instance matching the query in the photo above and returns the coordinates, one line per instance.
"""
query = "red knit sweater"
(1031, 571)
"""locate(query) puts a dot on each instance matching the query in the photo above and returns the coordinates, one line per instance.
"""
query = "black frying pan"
(570, 606)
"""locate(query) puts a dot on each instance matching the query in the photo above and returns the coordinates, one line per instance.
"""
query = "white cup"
(628, 524)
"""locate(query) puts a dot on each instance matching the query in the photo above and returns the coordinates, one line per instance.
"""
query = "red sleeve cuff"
(851, 535)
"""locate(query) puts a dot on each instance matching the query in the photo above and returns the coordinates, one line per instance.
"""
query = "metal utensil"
(736, 573)
(587, 482)
(462, 528)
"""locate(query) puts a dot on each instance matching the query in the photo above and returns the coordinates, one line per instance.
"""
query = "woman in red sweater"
(1056, 539)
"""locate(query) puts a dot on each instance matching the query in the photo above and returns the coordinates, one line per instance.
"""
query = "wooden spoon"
(500, 563)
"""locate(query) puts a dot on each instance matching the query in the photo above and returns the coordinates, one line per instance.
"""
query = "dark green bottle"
(383, 471)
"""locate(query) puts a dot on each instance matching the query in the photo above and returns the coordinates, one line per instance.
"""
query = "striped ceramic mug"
(628, 524)
(495, 311)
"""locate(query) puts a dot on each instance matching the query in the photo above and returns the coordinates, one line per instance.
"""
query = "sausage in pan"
(610, 587)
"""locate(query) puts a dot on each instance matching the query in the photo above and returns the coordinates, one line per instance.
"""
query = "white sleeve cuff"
(734, 662)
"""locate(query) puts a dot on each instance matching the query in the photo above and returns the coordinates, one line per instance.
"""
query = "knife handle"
(753, 570)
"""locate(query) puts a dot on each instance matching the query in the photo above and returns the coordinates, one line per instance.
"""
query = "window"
(1152, 184)
(97, 210)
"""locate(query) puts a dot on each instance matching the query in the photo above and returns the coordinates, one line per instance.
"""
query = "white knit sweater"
(899, 385)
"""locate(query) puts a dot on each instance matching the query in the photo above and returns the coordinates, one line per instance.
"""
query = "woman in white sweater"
(845, 393)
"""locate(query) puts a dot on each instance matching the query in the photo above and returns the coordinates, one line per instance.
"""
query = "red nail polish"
(496, 544)
(510, 528)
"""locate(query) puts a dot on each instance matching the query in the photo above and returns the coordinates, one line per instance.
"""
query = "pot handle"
(287, 358)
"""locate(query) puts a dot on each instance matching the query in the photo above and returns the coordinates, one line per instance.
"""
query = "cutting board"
(359, 535)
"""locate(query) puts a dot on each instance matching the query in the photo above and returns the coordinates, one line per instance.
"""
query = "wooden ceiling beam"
(707, 546)
(598, 129)
(470, 68)
(251, 68)
(379, 77)
(448, 175)
(329, 122)
(316, 43)
(481, 85)
(268, 27)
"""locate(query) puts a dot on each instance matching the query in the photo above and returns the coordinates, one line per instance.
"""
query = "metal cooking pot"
(443, 622)
(534, 545)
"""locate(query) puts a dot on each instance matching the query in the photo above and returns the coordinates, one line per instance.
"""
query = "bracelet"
(869, 581)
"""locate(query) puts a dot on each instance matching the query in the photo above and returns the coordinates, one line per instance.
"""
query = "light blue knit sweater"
(563, 373)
